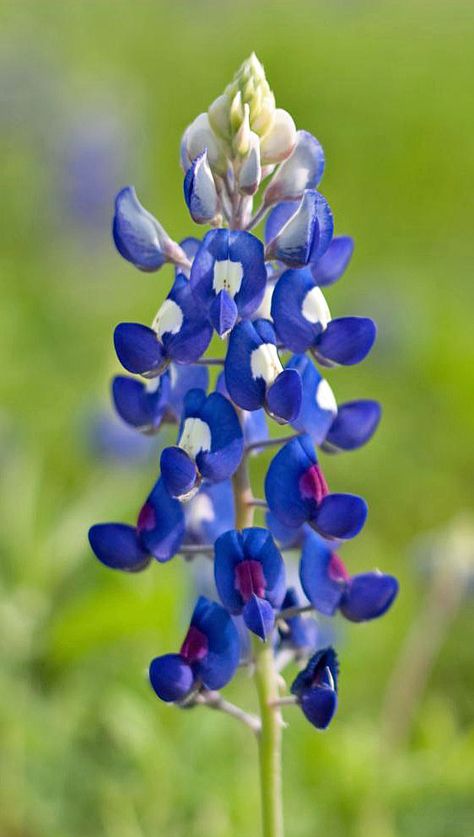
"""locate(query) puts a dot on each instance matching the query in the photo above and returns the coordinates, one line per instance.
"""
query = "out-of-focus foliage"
(96, 95)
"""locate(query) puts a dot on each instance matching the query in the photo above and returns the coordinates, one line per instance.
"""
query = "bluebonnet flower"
(329, 587)
(139, 237)
(254, 375)
(180, 332)
(303, 321)
(145, 405)
(159, 533)
(250, 577)
(297, 493)
(210, 444)
(302, 233)
(228, 277)
(207, 659)
(298, 632)
(316, 688)
(200, 191)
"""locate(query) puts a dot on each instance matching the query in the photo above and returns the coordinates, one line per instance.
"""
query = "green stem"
(266, 681)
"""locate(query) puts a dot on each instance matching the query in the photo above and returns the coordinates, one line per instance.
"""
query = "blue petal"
(182, 379)
(210, 513)
(200, 190)
(219, 664)
(284, 396)
(293, 243)
(117, 546)
(368, 596)
(355, 423)
(229, 552)
(137, 234)
(285, 535)
(293, 329)
(346, 341)
(260, 546)
(138, 407)
(318, 408)
(316, 672)
(319, 705)
(259, 617)
(245, 390)
(329, 268)
(324, 228)
(139, 350)
(161, 524)
(303, 169)
(282, 483)
(195, 333)
(223, 313)
(178, 472)
(227, 443)
(277, 218)
(340, 516)
(323, 591)
(254, 424)
(171, 677)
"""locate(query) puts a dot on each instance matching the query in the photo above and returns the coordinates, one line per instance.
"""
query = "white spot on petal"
(169, 318)
(315, 308)
(227, 276)
(325, 397)
(264, 310)
(196, 436)
(265, 363)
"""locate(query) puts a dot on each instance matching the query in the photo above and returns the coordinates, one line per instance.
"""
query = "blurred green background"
(95, 95)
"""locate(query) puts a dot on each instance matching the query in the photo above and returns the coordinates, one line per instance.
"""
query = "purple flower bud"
(316, 688)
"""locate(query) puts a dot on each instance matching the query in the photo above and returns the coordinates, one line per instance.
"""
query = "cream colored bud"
(250, 172)
(278, 143)
(241, 141)
(219, 116)
(237, 112)
(200, 136)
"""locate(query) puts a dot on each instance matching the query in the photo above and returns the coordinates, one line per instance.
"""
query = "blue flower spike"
(302, 170)
(208, 657)
(210, 445)
(228, 277)
(254, 374)
(297, 493)
(159, 533)
(305, 233)
(329, 587)
(303, 321)
(139, 237)
(180, 332)
(250, 577)
(200, 191)
(315, 688)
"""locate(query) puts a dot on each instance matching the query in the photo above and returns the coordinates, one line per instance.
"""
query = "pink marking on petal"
(249, 579)
(337, 570)
(146, 519)
(195, 645)
(312, 484)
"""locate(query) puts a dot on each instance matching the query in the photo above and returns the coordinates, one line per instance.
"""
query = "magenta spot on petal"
(195, 645)
(337, 570)
(146, 518)
(312, 484)
(249, 579)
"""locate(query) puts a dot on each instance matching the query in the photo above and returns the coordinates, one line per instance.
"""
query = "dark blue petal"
(282, 483)
(355, 423)
(191, 339)
(340, 516)
(219, 664)
(178, 472)
(210, 513)
(324, 229)
(171, 677)
(320, 575)
(259, 617)
(228, 553)
(139, 350)
(293, 243)
(318, 408)
(200, 191)
(245, 390)
(260, 546)
(321, 669)
(254, 424)
(161, 524)
(182, 379)
(346, 341)
(227, 443)
(223, 313)
(319, 705)
(138, 407)
(137, 234)
(290, 310)
(330, 267)
(117, 546)
(284, 396)
(368, 596)
(303, 169)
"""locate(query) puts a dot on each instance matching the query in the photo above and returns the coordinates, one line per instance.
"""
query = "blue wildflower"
(316, 688)
(208, 657)
(300, 232)
(200, 191)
